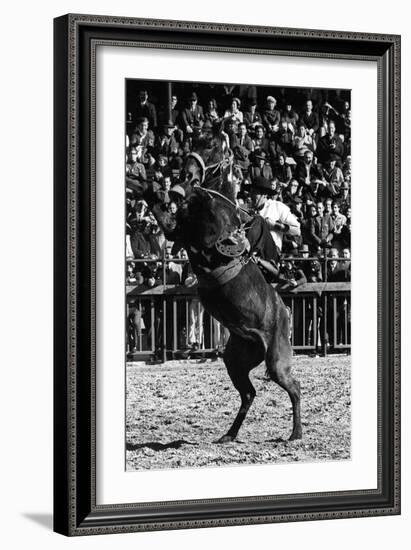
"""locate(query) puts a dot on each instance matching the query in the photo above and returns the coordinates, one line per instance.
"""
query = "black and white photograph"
(237, 274)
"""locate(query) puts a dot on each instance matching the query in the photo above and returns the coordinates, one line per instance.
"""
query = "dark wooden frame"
(75, 42)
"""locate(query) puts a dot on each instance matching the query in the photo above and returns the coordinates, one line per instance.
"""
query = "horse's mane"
(218, 166)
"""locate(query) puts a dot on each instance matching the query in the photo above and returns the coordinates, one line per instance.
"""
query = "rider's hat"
(263, 184)
(178, 190)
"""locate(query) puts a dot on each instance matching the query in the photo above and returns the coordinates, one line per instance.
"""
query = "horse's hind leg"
(278, 361)
(240, 357)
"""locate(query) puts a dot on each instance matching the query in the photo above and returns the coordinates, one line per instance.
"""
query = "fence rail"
(168, 321)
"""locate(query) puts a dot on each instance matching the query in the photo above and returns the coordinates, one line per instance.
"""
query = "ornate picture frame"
(76, 40)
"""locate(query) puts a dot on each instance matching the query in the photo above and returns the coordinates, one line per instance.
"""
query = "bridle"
(233, 244)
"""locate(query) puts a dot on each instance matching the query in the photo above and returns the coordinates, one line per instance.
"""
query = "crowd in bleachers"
(297, 139)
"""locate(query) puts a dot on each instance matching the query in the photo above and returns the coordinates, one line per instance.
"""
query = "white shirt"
(277, 211)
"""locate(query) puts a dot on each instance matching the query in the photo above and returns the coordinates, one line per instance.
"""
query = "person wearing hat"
(261, 166)
(193, 115)
(278, 216)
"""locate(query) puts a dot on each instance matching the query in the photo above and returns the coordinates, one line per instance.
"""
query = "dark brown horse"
(232, 288)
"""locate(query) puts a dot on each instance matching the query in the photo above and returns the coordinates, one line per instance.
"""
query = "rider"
(272, 215)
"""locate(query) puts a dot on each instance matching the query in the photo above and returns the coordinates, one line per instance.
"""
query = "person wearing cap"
(271, 117)
(276, 214)
(193, 115)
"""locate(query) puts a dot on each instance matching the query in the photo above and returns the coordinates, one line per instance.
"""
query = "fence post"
(324, 334)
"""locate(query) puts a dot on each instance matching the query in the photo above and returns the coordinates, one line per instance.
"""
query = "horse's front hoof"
(225, 439)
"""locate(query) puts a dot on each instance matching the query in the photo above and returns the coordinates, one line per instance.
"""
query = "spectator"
(136, 175)
(260, 142)
(336, 270)
(307, 172)
(252, 117)
(261, 166)
(338, 219)
(290, 117)
(167, 146)
(211, 112)
(290, 275)
(144, 138)
(321, 228)
(346, 170)
(310, 118)
(234, 112)
(291, 193)
(193, 116)
(271, 117)
(330, 146)
(130, 278)
(302, 142)
(344, 197)
(282, 171)
(145, 109)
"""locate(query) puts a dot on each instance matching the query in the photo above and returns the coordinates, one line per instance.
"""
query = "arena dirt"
(174, 412)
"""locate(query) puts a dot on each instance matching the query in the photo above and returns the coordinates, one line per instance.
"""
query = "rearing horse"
(232, 288)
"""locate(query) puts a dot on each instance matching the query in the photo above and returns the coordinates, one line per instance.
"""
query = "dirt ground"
(175, 410)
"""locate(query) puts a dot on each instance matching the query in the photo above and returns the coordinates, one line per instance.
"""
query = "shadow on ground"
(156, 446)
(45, 520)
